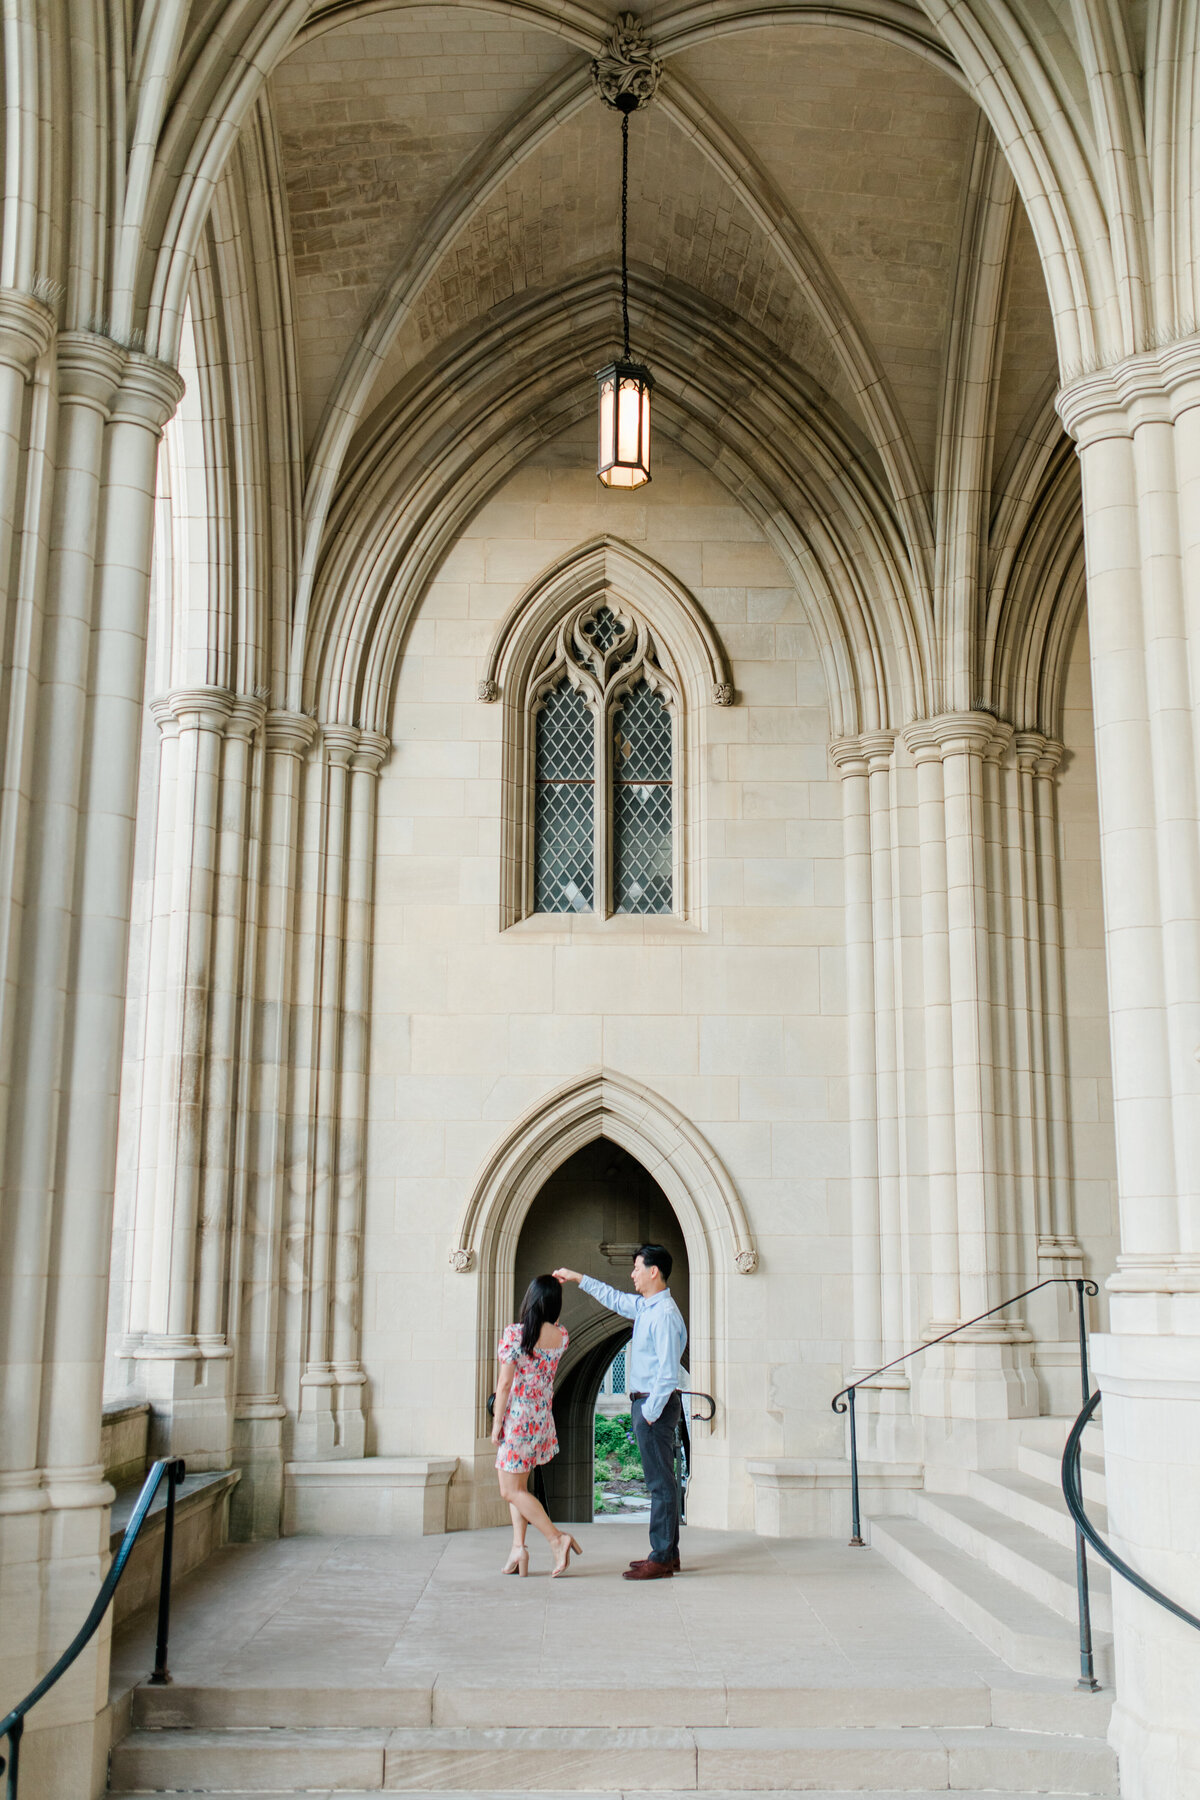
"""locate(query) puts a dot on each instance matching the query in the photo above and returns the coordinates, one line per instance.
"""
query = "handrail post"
(1085, 1377)
(14, 1757)
(1087, 1659)
(856, 1538)
(162, 1675)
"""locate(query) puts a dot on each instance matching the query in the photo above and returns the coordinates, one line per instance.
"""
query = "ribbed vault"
(455, 433)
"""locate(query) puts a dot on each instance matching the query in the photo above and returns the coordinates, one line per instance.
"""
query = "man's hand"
(567, 1275)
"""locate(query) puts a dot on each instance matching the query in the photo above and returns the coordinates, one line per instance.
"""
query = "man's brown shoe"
(639, 1560)
(648, 1571)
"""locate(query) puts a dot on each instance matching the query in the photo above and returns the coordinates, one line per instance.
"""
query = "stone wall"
(737, 1017)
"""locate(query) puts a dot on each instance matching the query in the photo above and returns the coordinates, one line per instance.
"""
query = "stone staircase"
(997, 1553)
(882, 1742)
(996, 1549)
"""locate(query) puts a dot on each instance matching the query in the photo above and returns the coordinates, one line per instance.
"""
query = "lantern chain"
(625, 228)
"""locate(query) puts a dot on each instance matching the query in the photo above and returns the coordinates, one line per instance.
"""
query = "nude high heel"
(560, 1568)
(518, 1562)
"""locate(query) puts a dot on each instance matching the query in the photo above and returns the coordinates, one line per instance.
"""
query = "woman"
(523, 1427)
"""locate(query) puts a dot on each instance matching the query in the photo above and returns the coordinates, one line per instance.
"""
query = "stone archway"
(710, 1219)
(590, 1214)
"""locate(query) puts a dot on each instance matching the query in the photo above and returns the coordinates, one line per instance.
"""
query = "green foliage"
(616, 1450)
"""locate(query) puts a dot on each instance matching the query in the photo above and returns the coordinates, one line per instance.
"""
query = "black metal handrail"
(705, 1418)
(1072, 1487)
(12, 1725)
(843, 1402)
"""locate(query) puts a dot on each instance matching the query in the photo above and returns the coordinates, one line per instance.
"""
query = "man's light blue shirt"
(659, 1339)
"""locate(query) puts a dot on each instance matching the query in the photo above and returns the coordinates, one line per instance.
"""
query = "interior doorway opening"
(592, 1214)
(619, 1483)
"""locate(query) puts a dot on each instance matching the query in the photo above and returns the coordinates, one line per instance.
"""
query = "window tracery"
(603, 712)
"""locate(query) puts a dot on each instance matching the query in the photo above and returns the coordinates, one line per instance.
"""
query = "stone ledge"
(368, 1496)
(809, 1496)
(123, 1436)
(201, 1526)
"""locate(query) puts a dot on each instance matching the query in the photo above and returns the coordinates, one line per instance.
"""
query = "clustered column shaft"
(76, 517)
(958, 1104)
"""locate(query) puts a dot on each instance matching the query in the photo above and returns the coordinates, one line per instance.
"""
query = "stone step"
(1031, 1561)
(616, 1794)
(671, 1759)
(1046, 1706)
(1032, 1502)
(1025, 1634)
(1045, 1465)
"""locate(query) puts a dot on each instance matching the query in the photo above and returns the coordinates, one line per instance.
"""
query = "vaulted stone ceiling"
(810, 180)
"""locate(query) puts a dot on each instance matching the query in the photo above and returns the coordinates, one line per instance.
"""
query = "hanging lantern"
(624, 453)
(624, 460)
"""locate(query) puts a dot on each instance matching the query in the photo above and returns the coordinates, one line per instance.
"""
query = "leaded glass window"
(642, 783)
(564, 829)
(602, 709)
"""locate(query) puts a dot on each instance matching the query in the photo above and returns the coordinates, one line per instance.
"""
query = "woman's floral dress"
(529, 1438)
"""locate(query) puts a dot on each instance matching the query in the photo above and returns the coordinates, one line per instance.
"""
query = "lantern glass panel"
(624, 460)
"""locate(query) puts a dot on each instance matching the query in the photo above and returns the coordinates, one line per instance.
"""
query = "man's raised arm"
(613, 1298)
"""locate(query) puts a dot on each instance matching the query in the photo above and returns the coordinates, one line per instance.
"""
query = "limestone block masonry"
(299, 319)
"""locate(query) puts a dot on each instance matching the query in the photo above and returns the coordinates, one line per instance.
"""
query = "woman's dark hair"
(541, 1306)
(656, 1256)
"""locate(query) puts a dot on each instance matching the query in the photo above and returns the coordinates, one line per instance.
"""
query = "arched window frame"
(606, 679)
(683, 657)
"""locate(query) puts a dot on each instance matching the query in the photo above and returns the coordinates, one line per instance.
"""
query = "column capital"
(846, 755)
(878, 747)
(198, 708)
(90, 368)
(371, 752)
(26, 330)
(1153, 388)
(150, 391)
(291, 733)
(246, 715)
(341, 742)
(1037, 754)
(957, 734)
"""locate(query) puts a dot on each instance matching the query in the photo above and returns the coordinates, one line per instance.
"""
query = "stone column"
(939, 1049)
(331, 1420)
(51, 1555)
(369, 755)
(984, 1375)
(81, 647)
(148, 394)
(26, 332)
(223, 1168)
(887, 1424)
(851, 764)
(187, 1384)
(1137, 427)
(878, 749)
(1053, 1312)
(259, 1412)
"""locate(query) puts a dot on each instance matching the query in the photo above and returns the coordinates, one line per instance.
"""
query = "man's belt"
(639, 1396)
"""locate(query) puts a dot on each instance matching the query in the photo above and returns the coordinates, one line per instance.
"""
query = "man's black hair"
(656, 1256)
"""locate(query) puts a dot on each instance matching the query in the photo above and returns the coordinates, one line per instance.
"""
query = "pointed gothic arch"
(689, 663)
(602, 1103)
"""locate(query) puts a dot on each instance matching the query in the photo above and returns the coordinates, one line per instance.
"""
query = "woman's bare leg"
(520, 1525)
(521, 1502)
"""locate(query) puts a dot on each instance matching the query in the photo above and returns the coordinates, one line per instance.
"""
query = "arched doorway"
(601, 1105)
(591, 1214)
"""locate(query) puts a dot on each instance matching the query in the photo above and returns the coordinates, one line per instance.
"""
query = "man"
(659, 1337)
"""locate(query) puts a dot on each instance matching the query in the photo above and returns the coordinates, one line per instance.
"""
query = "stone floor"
(430, 1628)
